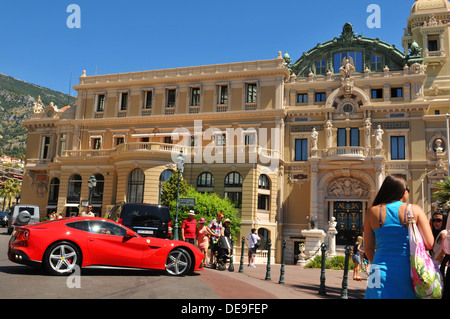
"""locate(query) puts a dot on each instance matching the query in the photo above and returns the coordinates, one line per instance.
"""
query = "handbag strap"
(379, 216)
(410, 219)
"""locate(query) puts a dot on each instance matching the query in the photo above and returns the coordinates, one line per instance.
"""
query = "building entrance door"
(349, 221)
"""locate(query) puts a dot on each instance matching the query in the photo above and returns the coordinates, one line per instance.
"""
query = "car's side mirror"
(130, 234)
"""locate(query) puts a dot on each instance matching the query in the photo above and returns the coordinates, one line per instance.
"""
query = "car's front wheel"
(61, 258)
(178, 262)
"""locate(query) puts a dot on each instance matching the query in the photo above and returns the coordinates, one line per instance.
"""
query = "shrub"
(335, 263)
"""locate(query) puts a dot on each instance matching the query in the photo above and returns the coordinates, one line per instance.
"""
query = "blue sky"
(116, 36)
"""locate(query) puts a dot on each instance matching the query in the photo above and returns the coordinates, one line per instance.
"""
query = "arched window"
(74, 189)
(355, 56)
(263, 192)
(136, 182)
(53, 192)
(263, 182)
(233, 179)
(205, 179)
(97, 196)
(164, 177)
(264, 234)
(233, 188)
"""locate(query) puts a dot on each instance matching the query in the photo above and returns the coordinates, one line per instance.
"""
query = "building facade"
(288, 141)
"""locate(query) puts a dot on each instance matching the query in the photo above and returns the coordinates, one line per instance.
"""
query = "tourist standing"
(215, 226)
(188, 228)
(252, 246)
(356, 257)
(386, 240)
(203, 234)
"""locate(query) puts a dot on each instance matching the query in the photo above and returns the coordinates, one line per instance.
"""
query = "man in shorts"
(252, 240)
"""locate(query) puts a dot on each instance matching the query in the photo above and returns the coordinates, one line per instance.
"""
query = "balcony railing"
(349, 151)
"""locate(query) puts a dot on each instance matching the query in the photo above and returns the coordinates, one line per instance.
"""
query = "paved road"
(19, 281)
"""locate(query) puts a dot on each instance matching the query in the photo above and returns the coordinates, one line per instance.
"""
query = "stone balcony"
(208, 153)
(346, 154)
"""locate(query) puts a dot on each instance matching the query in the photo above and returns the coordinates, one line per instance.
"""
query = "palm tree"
(10, 189)
(3, 194)
(443, 194)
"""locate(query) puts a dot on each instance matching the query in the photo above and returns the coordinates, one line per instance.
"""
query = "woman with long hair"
(386, 240)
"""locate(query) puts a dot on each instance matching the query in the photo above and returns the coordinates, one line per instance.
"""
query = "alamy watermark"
(74, 19)
(374, 279)
(231, 146)
(374, 19)
(74, 280)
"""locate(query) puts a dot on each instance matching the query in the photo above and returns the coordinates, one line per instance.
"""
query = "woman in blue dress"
(386, 241)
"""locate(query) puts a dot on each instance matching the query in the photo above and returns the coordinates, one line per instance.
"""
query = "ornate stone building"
(288, 142)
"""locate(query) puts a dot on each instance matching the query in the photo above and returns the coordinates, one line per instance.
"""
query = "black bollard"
(231, 265)
(269, 245)
(344, 293)
(322, 289)
(282, 264)
(241, 266)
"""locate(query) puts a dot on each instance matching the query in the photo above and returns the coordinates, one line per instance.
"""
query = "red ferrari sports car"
(59, 245)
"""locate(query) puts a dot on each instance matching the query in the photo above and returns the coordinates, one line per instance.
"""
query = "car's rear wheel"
(178, 262)
(61, 258)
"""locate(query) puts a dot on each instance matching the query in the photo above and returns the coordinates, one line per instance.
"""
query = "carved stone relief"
(347, 187)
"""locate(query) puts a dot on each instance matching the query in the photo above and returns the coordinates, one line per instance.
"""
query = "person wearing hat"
(226, 232)
(203, 234)
(188, 228)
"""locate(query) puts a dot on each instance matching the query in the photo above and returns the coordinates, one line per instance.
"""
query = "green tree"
(8, 190)
(170, 187)
(207, 205)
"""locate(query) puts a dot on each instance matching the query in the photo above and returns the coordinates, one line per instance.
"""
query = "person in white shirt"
(89, 212)
(252, 240)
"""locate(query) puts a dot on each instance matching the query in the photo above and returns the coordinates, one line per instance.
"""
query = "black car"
(147, 220)
(4, 219)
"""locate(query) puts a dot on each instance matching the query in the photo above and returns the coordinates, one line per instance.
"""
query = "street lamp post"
(180, 168)
(92, 182)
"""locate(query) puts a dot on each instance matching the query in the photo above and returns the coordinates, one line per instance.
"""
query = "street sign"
(187, 201)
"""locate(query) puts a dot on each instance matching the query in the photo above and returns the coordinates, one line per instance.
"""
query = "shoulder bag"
(425, 275)
(257, 243)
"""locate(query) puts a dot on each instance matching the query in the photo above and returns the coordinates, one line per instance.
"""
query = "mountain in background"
(16, 104)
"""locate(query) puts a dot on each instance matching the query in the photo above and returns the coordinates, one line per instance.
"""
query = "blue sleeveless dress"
(390, 270)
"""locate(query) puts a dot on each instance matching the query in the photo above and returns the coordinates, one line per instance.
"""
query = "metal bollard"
(241, 266)
(231, 262)
(344, 293)
(322, 289)
(282, 264)
(269, 245)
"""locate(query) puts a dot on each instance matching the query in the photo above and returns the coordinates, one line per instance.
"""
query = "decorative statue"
(329, 132)
(415, 50)
(37, 107)
(314, 137)
(347, 69)
(379, 138)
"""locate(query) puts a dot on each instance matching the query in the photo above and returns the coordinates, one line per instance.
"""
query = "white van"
(23, 215)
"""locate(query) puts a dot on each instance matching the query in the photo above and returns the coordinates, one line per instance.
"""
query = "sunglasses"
(407, 189)
(437, 220)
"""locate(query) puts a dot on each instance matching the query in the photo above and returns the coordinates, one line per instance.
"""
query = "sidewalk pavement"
(299, 283)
